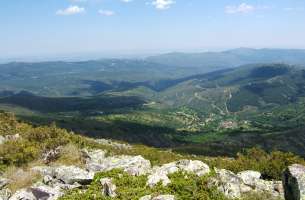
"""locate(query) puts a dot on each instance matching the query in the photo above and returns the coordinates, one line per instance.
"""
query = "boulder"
(168, 168)
(51, 155)
(23, 194)
(194, 166)
(160, 197)
(108, 187)
(73, 174)
(249, 177)
(64, 186)
(133, 165)
(66, 174)
(3, 182)
(12, 137)
(229, 184)
(94, 156)
(6, 138)
(294, 182)
(233, 186)
(157, 177)
(55, 183)
(274, 188)
(164, 197)
(44, 170)
(46, 193)
(160, 174)
(5, 194)
(38, 192)
(48, 180)
(146, 197)
(2, 140)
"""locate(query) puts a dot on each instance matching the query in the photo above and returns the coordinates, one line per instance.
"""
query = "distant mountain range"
(156, 73)
(230, 58)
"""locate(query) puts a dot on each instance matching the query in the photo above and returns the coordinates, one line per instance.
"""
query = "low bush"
(271, 165)
(183, 185)
(70, 154)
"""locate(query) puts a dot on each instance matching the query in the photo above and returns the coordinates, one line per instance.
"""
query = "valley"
(193, 109)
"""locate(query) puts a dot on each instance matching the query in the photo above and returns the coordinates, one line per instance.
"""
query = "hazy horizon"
(85, 56)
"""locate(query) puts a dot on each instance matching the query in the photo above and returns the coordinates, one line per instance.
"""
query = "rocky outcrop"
(160, 197)
(12, 137)
(229, 184)
(51, 155)
(108, 187)
(156, 177)
(23, 194)
(46, 192)
(234, 186)
(6, 138)
(133, 165)
(38, 193)
(72, 174)
(294, 182)
(249, 177)
(56, 180)
(159, 174)
(2, 139)
(193, 166)
(3, 182)
(66, 174)
(94, 157)
(5, 194)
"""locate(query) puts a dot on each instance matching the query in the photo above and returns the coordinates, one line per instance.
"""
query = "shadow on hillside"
(68, 104)
(286, 141)
(164, 137)
(135, 133)
(96, 87)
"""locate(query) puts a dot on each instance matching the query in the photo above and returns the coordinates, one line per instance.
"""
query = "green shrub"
(33, 141)
(259, 196)
(17, 152)
(271, 165)
(183, 185)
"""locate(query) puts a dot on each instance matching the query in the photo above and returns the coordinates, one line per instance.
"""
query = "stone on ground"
(108, 187)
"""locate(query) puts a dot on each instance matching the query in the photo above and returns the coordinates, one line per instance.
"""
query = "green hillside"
(218, 113)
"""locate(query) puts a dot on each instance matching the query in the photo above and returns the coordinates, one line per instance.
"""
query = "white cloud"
(126, 1)
(71, 10)
(242, 8)
(162, 4)
(106, 12)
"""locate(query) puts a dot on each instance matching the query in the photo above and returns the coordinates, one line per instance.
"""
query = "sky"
(123, 27)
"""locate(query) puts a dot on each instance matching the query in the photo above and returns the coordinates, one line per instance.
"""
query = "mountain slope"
(84, 78)
(260, 86)
(157, 73)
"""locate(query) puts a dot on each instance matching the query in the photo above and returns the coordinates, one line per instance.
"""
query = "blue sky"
(59, 27)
